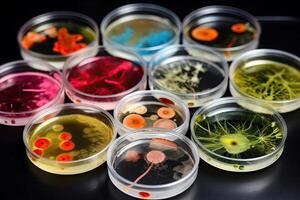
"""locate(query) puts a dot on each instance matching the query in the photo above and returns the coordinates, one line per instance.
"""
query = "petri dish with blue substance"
(143, 28)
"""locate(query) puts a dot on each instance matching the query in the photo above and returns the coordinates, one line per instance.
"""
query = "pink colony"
(105, 75)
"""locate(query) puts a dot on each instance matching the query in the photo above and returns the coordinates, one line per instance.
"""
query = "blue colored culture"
(123, 37)
(154, 39)
(150, 40)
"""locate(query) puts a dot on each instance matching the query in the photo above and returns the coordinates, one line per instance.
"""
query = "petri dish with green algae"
(69, 139)
(267, 76)
(233, 138)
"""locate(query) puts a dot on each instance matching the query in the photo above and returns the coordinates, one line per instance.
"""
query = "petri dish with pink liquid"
(152, 165)
(99, 78)
(27, 87)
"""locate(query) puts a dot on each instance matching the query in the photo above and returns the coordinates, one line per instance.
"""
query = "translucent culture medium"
(68, 138)
(268, 80)
(141, 31)
(155, 162)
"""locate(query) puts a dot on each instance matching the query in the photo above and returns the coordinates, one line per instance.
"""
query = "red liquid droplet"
(105, 75)
(166, 101)
(144, 194)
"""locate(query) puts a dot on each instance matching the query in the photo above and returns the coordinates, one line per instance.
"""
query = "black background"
(19, 179)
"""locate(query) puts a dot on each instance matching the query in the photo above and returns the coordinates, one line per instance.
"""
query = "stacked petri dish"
(152, 158)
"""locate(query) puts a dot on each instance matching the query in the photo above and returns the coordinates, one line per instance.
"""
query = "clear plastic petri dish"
(233, 138)
(227, 30)
(142, 28)
(158, 165)
(96, 77)
(27, 87)
(267, 76)
(52, 37)
(151, 109)
(195, 74)
(69, 138)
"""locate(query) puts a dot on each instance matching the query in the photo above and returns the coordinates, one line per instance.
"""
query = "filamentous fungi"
(269, 80)
(246, 135)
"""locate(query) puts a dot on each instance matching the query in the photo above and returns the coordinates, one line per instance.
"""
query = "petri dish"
(142, 28)
(152, 166)
(233, 138)
(195, 74)
(227, 30)
(151, 109)
(27, 87)
(96, 77)
(69, 138)
(267, 76)
(52, 37)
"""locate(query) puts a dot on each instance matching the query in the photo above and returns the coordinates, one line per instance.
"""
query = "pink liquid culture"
(24, 92)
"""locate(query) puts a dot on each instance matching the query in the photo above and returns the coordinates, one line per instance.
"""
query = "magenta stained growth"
(26, 91)
(105, 75)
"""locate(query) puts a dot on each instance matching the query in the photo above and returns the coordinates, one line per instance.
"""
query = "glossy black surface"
(20, 179)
